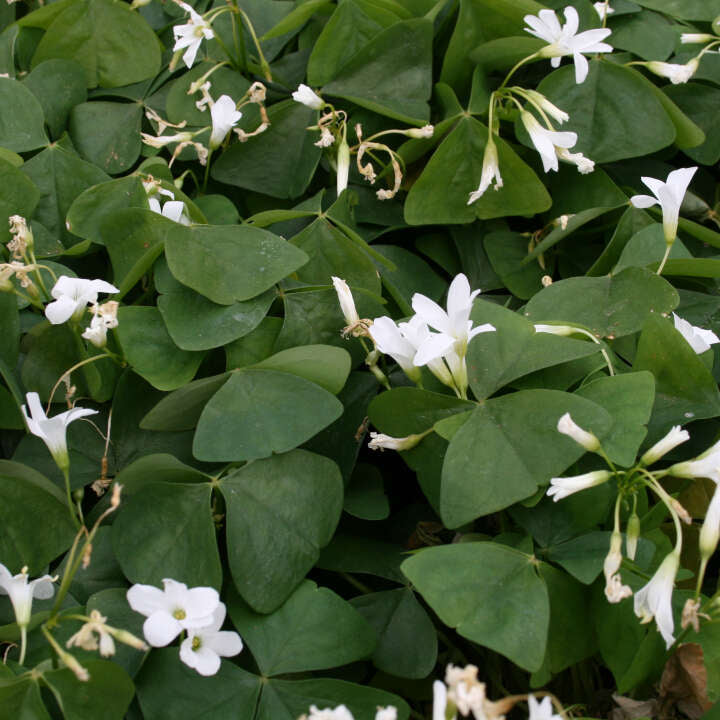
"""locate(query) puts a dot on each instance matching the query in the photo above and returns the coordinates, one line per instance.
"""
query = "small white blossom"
(675, 436)
(52, 431)
(539, 100)
(566, 40)
(547, 142)
(306, 96)
(584, 165)
(338, 713)
(542, 710)
(174, 210)
(669, 195)
(224, 116)
(22, 592)
(490, 172)
(562, 487)
(72, 296)
(698, 338)
(695, 38)
(204, 646)
(191, 35)
(380, 441)
(603, 9)
(347, 303)
(343, 166)
(567, 426)
(86, 639)
(654, 600)
(173, 609)
(675, 73)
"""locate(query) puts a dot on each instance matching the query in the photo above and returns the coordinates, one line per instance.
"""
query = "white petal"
(643, 201)
(42, 587)
(161, 628)
(146, 599)
(431, 313)
(201, 601)
(224, 643)
(204, 660)
(60, 310)
(581, 69)
(437, 345)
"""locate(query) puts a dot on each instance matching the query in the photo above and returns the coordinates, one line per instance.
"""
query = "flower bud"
(380, 441)
(710, 530)
(347, 303)
(568, 427)
(674, 437)
(696, 38)
(421, 133)
(632, 534)
(343, 166)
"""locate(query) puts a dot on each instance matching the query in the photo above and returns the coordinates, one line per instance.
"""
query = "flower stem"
(23, 643)
(668, 247)
(515, 67)
(68, 497)
(87, 361)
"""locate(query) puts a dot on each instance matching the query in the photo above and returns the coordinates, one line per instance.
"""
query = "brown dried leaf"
(684, 682)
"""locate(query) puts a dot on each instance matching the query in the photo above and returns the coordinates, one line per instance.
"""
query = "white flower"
(426, 131)
(380, 441)
(52, 431)
(615, 591)
(347, 303)
(603, 9)
(72, 296)
(338, 713)
(104, 318)
(698, 338)
(669, 195)
(693, 38)
(546, 141)
(203, 647)
(22, 592)
(465, 691)
(675, 436)
(567, 426)
(655, 598)
(85, 637)
(542, 710)
(389, 340)
(224, 116)
(539, 100)
(440, 701)
(191, 35)
(490, 172)
(677, 74)
(174, 210)
(307, 97)
(343, 166)
(173, 609)
(386, 713)
(562, 487)
(566, 40)
(710, 530)
(584, 165)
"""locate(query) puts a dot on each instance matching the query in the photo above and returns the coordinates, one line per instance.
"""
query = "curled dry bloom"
(584, 165)
(86, 639)
(426, 131)
(698, 338)
(675, 73)
(52, 431)
(308, 97)
(566, 40)
(173, 609)
(654, 600)
(562, 487)
(615, 591)
(567, 426)
(22, 592)
(190, 35)
(669, 195)
(204, 646)
(72, 296)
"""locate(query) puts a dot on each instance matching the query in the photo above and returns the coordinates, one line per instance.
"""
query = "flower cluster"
(197, 611)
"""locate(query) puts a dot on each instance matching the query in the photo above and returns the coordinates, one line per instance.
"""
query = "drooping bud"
(632, 534)
(568, 427)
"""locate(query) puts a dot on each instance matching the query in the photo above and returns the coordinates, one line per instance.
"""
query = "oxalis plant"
(358, 359)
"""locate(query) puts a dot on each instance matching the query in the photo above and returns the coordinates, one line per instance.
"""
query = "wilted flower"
(675, 73)
(307, 97)
(562, 487)
(72, 296)
(52, 431)
(615, 591)
(191, 34)
(698, 338)
(567, 426)
(380, 441)
(326, 138)
(654, 600)
(22, 592)
(104, 318)
(547, 142)
(426, 131)
(224, 116)
(173, 609)
(566, 40)
(490, 172)
(584, 165)
(86, 639)
(204, 646)
(710, 530)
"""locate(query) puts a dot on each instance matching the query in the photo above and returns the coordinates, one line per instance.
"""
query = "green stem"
(668, 247)
(517, 66)
(207, 171)
(264, 65)
(68, 497)
(87, 361)
(23, 643)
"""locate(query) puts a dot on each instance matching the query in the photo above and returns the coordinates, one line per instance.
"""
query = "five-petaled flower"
(566, 40)
(204, 646)
(72, 296)
(225, 116)
(190, 35)
(52, 431)
(22, 592)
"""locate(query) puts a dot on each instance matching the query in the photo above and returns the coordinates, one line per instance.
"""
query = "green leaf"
(440, 194)
(597, 109)
(228, 262)
(250, 416)
(402, 94)
(365, 497)
(514, 350)
(18, 196)
(60, 176)
(20, 699)
(25, 495)
(325, 365)
(295, 19)
(407, 644)
(700, 103)
(356, 554)
(490, 593)
(167, 687)
(280, 512)
(150, 351)
(510, 446)
(288, 699)
(279, 162)
(684, 388)
(647, 34)
(647, 248)
(685, 9)
(166, 530)
(348, 30)
(196, 323)
(629, 400)
(107, 695)
(313, 629)
(59, 85)
(506, 251)
(608, 306)
(117, 147)
(157, 468)
(21, 118)
(115, 45)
